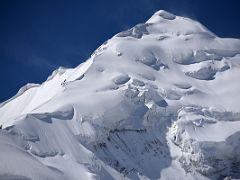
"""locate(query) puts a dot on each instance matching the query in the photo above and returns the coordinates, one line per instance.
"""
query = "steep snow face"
(159, 99)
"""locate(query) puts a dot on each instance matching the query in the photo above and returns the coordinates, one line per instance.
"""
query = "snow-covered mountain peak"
(165, 23)
(164, 15)
(151, 102)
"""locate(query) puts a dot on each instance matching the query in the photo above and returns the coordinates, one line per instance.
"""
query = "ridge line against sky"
(38, 36)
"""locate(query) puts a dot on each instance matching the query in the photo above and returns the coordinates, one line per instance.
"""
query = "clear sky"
(37, 36)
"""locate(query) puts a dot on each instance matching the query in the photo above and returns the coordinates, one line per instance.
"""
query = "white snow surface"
(158, 101)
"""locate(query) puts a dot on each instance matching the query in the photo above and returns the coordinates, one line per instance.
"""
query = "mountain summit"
(157, 101)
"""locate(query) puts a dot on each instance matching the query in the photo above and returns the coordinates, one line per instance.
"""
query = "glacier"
(158, 101)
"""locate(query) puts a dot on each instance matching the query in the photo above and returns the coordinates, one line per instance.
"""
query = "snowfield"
(158, 101)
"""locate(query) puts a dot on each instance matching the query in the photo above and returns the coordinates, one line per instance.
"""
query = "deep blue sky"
(38, 36)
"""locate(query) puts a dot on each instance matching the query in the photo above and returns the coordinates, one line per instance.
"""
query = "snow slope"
(158, 101)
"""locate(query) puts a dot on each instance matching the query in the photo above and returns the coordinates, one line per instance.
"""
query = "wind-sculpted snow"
(121, 79)
(208, 142)
(158, 101)
(137, 32)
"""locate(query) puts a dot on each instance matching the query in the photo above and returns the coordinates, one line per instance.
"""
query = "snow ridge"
(159, 99)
